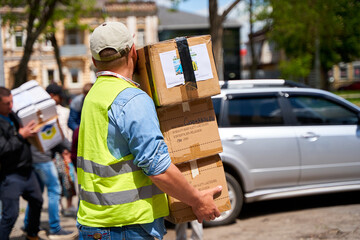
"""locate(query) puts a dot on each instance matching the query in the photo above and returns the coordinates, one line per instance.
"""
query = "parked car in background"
(351, 86)
(282, 139)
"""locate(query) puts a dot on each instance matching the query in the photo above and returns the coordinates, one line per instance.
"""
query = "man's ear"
(134, 52)
(94, 62)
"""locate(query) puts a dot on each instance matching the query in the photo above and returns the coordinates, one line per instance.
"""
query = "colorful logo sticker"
(48, 132)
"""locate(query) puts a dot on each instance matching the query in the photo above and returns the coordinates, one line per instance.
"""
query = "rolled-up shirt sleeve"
(139, 125)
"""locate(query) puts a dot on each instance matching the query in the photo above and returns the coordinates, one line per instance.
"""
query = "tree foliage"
(39, 16)
(311, 30)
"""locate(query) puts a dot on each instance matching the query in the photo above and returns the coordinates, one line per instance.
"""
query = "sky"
(201, 7)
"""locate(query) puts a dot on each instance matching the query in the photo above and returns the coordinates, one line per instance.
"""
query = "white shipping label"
(172, 67)
(201, 62)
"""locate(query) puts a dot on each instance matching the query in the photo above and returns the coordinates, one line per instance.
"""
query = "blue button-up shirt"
(134, 129)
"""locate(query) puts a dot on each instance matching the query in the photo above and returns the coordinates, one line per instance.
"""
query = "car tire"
(236, 199)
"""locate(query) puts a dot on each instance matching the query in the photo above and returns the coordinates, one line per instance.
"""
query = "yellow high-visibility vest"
(113, 192)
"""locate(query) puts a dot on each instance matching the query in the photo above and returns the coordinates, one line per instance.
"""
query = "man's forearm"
(174, 183)
(202, 203)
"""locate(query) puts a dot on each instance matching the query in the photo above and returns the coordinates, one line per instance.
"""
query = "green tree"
(39, 16)
(315, 34)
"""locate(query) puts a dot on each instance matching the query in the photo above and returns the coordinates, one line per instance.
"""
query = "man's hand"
(205, 209)
(202, 203)
(28, 130)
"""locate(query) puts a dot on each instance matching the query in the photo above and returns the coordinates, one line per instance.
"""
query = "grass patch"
(354, 101)
(352, 96)
(347, 92)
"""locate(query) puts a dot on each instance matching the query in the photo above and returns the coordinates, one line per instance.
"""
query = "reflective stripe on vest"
(113, 192)
(115, 198)
(106, 171)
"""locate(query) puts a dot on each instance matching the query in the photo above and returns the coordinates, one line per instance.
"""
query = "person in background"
(124, 167)
(74, 120)
(17, 177)
(197, 230)
(74, 147)
(63, 161)
(76, 106)
(56, 92)
(47, 173)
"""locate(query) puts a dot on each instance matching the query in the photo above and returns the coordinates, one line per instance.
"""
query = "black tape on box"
(186, 62)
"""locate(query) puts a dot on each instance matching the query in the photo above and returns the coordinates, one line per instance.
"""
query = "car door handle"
(236, 138)
(310, 136)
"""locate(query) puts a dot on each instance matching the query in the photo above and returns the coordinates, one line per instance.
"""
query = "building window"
(140, 37)
(51, 75)
(343, 73)
(73, 37)
(18, 39)
(357, 72)
(74, 75)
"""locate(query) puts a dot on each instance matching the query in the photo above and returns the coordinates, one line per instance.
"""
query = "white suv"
(282, 139)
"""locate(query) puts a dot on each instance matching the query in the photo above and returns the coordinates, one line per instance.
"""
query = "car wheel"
(236, 199)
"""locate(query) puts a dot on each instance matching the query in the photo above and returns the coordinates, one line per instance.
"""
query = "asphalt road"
(330, 217)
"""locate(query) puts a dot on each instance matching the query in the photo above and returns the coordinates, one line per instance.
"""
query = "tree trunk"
(254, 61)
(33, 32)
(218, 51)
(57, 57)
(21, 72)
(324, 79)
(217, 31)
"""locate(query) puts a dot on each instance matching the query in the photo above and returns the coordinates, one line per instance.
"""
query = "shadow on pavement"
(299, 203)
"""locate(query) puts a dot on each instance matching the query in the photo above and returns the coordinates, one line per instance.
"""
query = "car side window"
(314, 110)
(217, 106)
(254, 111)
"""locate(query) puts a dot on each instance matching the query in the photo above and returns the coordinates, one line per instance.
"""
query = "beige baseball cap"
(113, 35)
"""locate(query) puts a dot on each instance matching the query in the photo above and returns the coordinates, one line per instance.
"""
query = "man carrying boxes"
(17, 177)
(124, 166)
(180, 75)
(185, 111)
(33, 103)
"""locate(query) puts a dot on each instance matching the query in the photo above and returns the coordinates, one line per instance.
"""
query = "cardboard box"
(49, 135)
(168, 80)
(190, 130)
(203, 174)
(32, 102)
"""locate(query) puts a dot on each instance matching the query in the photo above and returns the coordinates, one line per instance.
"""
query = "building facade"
(77, 67)
(344, 74)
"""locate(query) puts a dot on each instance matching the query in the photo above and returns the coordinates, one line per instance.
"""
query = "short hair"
(86, 88)
(4, 92)
(109, 65)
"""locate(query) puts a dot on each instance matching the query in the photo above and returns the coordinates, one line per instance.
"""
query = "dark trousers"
(12, 187)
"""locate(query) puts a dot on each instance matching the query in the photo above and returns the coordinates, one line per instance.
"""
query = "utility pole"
(2, 75)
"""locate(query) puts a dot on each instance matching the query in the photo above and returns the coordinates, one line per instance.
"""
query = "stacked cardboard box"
(33, 103)
(190, 130)
(204, 173)
(180, 75)
(178, 70)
